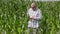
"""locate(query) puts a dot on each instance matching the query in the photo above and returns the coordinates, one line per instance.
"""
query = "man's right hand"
(32, 17)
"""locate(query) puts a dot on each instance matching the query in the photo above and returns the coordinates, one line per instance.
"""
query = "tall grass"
(13, 17)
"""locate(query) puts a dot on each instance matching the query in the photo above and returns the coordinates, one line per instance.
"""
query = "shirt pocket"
(37, 15)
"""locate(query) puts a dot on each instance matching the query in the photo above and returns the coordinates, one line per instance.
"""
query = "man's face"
(33, 6)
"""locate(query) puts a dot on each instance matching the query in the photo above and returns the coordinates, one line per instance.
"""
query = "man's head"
(33, 5)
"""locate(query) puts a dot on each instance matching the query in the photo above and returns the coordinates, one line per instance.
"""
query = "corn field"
(14, 20)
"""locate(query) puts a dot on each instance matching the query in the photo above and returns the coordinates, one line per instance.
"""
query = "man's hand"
(32, 17)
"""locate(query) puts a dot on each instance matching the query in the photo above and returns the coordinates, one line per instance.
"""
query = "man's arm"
(29, 14)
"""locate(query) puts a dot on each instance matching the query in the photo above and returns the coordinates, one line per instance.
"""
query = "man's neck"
(34, 9)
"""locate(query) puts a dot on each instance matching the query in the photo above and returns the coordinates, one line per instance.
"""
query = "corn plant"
(14, 20)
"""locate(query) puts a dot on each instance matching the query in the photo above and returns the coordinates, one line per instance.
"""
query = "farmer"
(35, 15)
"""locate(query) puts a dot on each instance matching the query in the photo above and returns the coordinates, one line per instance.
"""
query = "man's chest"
(34, 13)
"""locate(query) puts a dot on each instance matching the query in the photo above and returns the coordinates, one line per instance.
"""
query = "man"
(35, 15)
